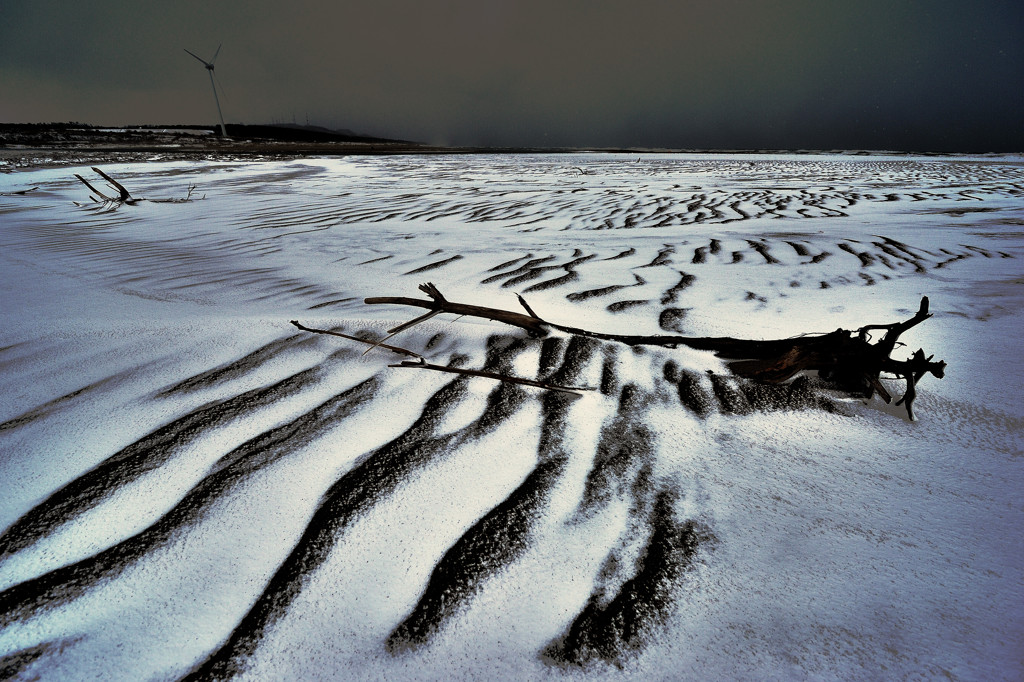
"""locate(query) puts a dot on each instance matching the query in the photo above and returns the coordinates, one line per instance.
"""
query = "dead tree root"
(849, 359)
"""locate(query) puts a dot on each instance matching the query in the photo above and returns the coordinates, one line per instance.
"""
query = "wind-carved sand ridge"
(195, 491)
(195, 265)
(622, 469)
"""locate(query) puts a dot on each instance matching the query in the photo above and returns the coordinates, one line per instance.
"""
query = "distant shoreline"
(24, 146)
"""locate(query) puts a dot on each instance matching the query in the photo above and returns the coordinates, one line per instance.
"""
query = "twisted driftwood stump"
(847, 358)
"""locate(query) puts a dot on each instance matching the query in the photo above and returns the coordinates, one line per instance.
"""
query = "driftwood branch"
(421, 363)
(123, 195)
(575, 390)
(95, 191)
(849, 358)
(439, 304)
(393, 349)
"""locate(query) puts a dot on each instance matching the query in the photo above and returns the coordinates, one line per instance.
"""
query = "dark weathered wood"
(439, 304)
(125, 196)
(393, 349)
(575, 390)
(849, 358)
(95, 191)
(421, 363)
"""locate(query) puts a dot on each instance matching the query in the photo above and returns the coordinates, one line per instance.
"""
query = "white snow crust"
(191, 486)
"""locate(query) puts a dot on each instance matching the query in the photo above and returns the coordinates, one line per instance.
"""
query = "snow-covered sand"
(191, 486)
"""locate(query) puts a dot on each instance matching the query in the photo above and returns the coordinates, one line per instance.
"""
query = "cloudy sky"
(883, 74)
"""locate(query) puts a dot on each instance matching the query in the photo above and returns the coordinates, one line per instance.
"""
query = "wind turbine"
(209, 67)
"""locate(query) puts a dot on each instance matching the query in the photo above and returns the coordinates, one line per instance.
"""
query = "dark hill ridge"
(42, 133)
(27, 145)
(35, 145)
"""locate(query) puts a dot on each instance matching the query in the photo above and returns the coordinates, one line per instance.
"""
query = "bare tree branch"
(393, 349)
(848, 357)
(421, 363)
(95, 191)
(438, 303)
(575, 390)
(125, 196)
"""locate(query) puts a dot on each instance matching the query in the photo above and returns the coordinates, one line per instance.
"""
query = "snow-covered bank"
(191, 485)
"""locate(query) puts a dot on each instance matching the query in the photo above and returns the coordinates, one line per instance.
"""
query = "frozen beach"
(192, 487)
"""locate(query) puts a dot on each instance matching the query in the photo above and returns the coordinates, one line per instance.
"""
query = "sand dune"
(194, 491)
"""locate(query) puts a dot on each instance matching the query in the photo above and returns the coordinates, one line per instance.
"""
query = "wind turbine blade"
(220, 87)
(197, 57)
(215, 54)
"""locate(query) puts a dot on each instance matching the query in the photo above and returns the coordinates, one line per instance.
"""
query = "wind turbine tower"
(209, 68)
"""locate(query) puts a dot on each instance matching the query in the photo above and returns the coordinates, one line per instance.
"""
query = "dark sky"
(924, 75)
